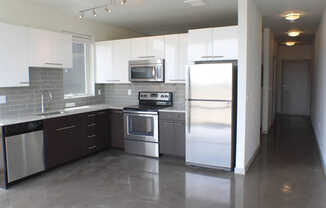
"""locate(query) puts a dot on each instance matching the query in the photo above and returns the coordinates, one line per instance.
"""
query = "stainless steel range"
(141, 123)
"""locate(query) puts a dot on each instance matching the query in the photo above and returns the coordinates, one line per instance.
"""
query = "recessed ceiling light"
(290, 43)
(294, 33)
(292, 16)
(195, 3)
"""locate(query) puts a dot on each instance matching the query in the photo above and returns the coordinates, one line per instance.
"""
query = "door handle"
(189, 117)
(66, 128)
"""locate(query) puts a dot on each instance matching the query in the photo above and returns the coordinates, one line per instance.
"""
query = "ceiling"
(272, 10)
(155, 16)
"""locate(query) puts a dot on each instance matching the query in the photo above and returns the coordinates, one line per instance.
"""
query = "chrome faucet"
(43, 99)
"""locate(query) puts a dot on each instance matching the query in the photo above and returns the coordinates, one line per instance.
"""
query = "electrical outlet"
(3, 99)
(129, 92)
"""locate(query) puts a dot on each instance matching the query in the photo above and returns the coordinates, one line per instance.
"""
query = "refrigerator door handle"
(189, 117)
(189, 84)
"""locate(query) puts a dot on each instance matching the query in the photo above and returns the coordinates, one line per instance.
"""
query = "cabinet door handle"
(146, 56)
(92, 147)
(54, 64)
(23, 82)
(92, 136)
(177, 80)
(91, 115)
(66, 128)
(212, 56)
(91, 125)
(100, 113)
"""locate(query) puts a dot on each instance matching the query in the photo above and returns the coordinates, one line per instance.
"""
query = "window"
(78, 81)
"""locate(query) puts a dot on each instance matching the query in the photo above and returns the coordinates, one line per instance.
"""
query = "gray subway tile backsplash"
(27, 100)
(117, 94)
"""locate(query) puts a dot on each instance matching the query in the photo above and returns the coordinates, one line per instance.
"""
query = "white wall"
(249, 89)
(319, 89)
(27, 13)
(269, 52)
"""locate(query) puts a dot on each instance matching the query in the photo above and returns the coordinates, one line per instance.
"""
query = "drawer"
(172, 116)
(91, 130)
(91, 118)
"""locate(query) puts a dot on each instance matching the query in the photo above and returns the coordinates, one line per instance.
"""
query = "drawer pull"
(100, 113)
(92, 136)
(66, 128)
(91, 115)
(92, 147)
(55, 64)
(91, 125)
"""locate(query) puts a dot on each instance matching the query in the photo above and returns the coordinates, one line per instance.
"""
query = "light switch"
(3, 99)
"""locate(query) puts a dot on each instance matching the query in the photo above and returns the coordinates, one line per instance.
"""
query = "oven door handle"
(141, 113)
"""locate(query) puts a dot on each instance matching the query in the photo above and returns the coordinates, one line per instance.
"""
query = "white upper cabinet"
(226, 42)
(175, 58)
(147, 47)
(121, 56)
(155, 47)
(200, 44)
(50, 49)
(13, 56)
(104, 70)
(214, 43)
(138, 48)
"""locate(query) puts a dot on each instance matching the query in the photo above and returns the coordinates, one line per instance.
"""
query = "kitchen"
(71, 99)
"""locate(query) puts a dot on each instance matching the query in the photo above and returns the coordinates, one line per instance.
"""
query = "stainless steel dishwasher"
(24, 149)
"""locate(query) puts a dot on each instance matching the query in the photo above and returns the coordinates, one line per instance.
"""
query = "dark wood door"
(116, 129)
(62, 140)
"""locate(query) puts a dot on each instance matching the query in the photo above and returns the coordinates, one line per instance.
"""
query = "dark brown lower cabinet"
(172, 133)
(116, 128)
(96, 125)
(63, 140)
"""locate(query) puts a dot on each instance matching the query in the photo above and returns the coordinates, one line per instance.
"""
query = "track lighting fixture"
(107, 8)
(122, 2)
(94, 12)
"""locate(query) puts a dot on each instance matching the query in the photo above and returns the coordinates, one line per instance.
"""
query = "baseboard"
(243, 171)
(322, 158)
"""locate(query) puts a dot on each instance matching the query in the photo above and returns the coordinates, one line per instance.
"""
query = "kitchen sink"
(77, 108)
(50, 113)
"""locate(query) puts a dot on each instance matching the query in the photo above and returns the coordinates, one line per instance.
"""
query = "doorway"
(296, 88)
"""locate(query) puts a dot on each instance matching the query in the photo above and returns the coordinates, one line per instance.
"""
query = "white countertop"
(66, 112)
(72, 111)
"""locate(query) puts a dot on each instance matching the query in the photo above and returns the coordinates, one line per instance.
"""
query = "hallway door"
(296, 88)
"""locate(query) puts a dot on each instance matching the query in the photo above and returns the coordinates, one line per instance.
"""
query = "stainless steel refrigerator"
(211, 94)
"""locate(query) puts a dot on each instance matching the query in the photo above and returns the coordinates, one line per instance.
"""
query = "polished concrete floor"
(287, 173)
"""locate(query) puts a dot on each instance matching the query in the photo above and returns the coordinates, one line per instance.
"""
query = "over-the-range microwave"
(149, 70)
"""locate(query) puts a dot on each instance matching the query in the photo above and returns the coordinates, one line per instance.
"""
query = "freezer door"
(210, 81)
(209, 134)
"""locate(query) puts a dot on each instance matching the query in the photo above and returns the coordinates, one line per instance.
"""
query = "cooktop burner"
(152, 101)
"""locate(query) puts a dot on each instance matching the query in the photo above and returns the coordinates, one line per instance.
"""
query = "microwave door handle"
(154, 73)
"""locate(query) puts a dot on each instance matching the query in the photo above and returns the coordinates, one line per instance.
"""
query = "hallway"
(287, 172)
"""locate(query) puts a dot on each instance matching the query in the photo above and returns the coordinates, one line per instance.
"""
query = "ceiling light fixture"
(81, 16)
(290, 43)
(292, 16)
(294, 33)
(107, 9)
